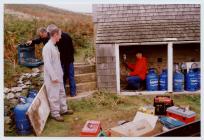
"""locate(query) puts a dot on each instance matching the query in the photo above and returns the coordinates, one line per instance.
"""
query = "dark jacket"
(40, 40)
(65, 47)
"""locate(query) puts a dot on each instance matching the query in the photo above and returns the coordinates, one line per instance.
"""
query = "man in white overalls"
(53, 76)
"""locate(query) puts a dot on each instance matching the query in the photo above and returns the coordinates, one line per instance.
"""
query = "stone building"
(167, 34)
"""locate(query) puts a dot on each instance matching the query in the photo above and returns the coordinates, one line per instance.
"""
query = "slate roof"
(133, 23)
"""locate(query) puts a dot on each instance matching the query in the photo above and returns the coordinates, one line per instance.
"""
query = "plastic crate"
(26, 56)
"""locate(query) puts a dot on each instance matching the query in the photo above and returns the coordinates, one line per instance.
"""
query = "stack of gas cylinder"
(23, 125)
(189, 81)
(155, 82)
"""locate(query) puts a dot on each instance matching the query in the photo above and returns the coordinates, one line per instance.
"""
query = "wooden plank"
(39, 111)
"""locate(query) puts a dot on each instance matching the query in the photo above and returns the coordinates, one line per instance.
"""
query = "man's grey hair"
(41, 30)
(51, 27)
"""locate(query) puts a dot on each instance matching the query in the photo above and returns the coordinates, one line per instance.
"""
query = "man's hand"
(55, 81)
(127, 73)
(29, 42)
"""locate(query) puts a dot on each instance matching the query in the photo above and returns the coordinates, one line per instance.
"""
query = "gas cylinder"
(163, 81)
(178, 81)
(191, 81)
(31, 95)
(152, 80)
(22, 122)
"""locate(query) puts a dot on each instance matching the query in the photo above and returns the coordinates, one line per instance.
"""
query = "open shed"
(167, 34)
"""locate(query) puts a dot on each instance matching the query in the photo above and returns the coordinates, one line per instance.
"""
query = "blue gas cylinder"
(152, 80)
(163, 80)
(31, 95)
(22, 122)
(197, 72)
(191, 81)
(178, 81)
(198, 77)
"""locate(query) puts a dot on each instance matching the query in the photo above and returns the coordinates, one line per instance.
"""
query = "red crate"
(181, 114)
(91, 129)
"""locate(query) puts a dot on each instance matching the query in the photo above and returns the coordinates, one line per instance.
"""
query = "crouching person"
(138, 72)
(53, 77)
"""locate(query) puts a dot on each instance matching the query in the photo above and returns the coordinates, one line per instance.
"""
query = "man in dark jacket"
(43, 37)
(66, 50)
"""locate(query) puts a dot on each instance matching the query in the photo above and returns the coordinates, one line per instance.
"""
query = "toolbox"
(161, 103)
(181, 114)
(91, 129)
(170, 122)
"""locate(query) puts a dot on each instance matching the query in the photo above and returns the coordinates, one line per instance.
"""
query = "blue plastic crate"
(26, 56)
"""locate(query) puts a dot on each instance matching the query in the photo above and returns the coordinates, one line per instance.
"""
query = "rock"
(20, 82)
(10, 95)
(20, 85)
(27, 75)
(6, 90)
(34, 74)
(24, 87)
(35, 70)
(21, 78)
(16, 89)
(7, 120)
(28, 83)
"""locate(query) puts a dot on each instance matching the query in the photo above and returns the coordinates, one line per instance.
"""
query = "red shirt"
(139, 68)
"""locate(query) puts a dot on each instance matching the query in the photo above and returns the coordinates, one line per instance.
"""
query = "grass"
(109, 109)
(11, 73)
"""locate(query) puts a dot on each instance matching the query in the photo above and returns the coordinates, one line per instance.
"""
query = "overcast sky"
(84, 8)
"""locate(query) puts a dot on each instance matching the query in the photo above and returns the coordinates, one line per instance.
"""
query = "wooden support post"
(170, 67)
(117, 68)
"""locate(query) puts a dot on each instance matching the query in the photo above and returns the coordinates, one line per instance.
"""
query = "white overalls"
(53, 71)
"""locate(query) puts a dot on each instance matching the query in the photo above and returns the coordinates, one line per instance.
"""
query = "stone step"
(82, 95)
(82, 69)
(83, 87)
(87, 77)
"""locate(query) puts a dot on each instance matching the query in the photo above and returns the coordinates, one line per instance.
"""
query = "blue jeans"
(133, 81)
(68, 70)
